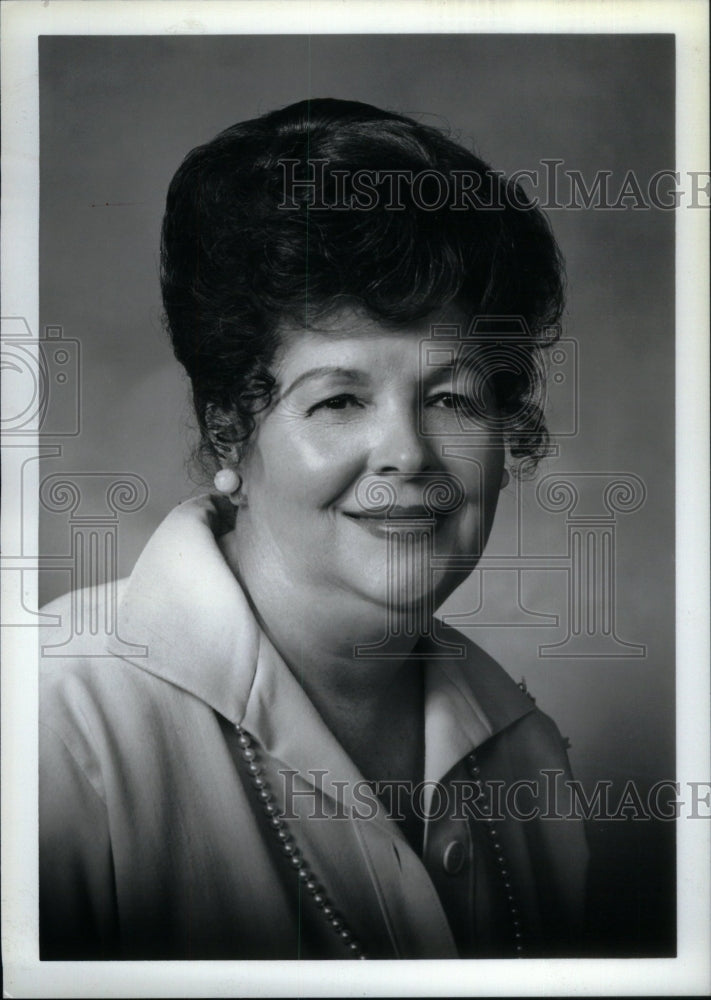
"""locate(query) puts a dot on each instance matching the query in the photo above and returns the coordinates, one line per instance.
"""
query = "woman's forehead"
(363, 349)
(351, 325)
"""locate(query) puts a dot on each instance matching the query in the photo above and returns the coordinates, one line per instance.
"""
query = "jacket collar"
(185, 606)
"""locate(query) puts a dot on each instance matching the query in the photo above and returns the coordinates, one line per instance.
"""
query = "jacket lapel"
(184, 604)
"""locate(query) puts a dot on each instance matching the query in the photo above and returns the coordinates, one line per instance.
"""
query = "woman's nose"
(400, 446)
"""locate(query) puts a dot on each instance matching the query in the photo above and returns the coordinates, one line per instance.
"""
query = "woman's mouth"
(396, 520)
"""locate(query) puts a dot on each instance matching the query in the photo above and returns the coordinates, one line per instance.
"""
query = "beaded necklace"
(294, 858)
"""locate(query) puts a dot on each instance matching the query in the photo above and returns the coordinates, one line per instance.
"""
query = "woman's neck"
(353, 660)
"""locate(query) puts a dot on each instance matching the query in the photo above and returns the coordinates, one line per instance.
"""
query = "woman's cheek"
(330, 462)
(469, 535)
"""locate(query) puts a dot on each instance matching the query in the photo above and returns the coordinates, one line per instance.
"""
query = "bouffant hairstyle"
(283, 218)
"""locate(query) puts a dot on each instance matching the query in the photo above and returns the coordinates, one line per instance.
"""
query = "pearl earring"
(229, 482)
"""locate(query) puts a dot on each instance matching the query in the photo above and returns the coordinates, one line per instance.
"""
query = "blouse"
(156, 843)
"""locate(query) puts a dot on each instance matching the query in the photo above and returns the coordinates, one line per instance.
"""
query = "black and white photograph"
(355, 451)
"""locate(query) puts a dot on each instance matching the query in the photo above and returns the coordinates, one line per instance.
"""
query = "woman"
(299, 762)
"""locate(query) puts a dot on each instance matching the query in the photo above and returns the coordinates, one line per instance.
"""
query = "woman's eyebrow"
(351, 374)
(438, 372)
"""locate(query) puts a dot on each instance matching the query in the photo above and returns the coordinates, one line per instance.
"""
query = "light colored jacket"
(154, 843)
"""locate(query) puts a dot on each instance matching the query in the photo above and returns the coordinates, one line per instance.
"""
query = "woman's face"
(368, 474)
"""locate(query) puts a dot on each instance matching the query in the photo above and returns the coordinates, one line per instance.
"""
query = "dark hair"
(247, 245)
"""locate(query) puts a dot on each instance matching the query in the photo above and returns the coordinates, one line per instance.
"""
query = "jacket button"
(454, 857)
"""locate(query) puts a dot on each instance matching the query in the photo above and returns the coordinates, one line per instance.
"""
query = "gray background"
(117, 116)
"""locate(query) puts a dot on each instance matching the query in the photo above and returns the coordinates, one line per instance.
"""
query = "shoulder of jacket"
(84, 595)
(536, 735)
(76, 668)
(86, 610)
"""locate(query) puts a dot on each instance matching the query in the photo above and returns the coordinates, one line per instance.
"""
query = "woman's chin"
(402, 590)
(398, 599)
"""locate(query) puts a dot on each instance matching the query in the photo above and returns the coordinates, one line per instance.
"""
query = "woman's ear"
(220, 427)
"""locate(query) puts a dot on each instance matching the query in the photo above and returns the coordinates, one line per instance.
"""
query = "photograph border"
(687, 974)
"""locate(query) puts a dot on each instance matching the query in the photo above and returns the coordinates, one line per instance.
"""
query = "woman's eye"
(341, 402)
(464, 405)
(449, 401)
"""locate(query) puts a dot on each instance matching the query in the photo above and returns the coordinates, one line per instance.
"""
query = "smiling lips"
(395, 514)
(385, 522)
